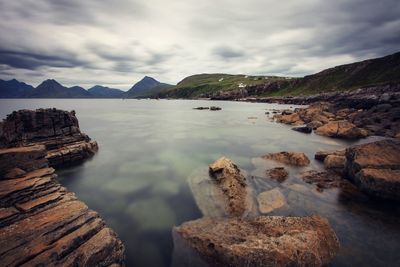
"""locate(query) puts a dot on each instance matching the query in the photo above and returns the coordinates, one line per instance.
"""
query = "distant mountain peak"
(146, 86)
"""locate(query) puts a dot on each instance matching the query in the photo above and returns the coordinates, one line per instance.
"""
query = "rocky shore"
(41, 222)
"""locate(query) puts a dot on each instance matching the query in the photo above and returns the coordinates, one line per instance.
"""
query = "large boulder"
(375, 168)
(341, 129)
(261, 241)
(291, 158)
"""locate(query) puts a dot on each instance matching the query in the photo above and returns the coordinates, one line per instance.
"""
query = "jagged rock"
(291, 158)
(328, 179)
(314, 124)
(375, 168)
(232, 184)
(302, 129)
(262, 241)
(279, 174)
(341, 129)
(270, 200)
(55, 129)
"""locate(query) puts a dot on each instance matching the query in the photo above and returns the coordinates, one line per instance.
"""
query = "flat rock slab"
(291, 158)
(375, 168)
(270, 200)
(42, 224)
(262, 241)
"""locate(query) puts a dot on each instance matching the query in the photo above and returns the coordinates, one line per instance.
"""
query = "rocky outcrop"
(232, 185)
(42, 223)
(328, 179)
(57, 130)
(261, 241)
(291, 158)
(375, 168)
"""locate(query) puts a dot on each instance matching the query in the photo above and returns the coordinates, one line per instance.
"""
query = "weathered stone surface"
(270, 200)
(291, 158)
(14, 173)
(232, 184)
(314, 124)
(279, 174)
(262, 241)
(341, 129)
(321, 155)
(374, 167)
(327, 179)
(287, 119)
(335, 162)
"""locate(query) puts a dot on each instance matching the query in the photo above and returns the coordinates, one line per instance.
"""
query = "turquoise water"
(138, 181)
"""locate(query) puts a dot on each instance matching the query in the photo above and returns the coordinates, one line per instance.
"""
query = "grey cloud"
(227, 52)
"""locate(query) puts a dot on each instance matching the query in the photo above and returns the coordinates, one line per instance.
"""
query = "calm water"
(138, 181)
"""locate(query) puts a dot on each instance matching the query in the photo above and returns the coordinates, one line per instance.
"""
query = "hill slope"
(146, 87)
(53, 89)
(14, 89)
(99, 91)
(372, 72)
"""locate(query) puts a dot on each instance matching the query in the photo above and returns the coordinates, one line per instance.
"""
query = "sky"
(115, 43)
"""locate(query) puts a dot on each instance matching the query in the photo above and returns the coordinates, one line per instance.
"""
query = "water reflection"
(148, 149)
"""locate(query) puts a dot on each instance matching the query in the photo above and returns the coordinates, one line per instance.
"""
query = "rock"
(213, 108)
(341, 129)
(303, 129)
(328, 179)
(291, 158)
(262, 241)
(42, 224)
(232, 184)
(321, 155)
(270, 200)
(335, 162)
(57, 130)
(279, 174)
(375, 168)
(14, 173)
(201, 108)
(287, 112)
(288, 119)
(314, 124)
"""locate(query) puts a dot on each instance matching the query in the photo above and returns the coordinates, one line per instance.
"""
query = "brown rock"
(327, 179)
(291, 158)
(14, 173)
(279, 174)
(341, 129)
(374, 168)
(270, 200)
(335, 162)
(321, 155)
(314, 124)
(233, 185)
(262, 241)
(288, 119)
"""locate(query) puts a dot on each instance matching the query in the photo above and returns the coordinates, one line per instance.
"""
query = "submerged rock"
(270, 200)
(214, 108)
(262, 241)
(291, 158)
(303, 129)
(279, 174)
(375, 168)
(328, 179)
(202, 108)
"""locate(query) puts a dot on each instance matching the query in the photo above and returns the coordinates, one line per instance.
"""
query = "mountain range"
(52, 89)
(367, 73)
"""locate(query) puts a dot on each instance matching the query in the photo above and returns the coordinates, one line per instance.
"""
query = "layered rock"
(57, 130)
(291, 158)
(341, 129)
(42, 224)
(261, 241)
(375, 168)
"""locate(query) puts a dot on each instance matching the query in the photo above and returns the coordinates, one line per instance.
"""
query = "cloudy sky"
(115, 43)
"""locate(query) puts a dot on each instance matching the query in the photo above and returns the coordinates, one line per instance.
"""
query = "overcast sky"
(115, 43)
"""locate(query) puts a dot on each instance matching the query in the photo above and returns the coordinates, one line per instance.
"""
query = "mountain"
(53, 89)
(14, 89)
(146, 87)
(99, 91)
(367, 73)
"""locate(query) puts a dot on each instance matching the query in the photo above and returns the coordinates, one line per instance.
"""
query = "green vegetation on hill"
(372, 72)
(202, 85)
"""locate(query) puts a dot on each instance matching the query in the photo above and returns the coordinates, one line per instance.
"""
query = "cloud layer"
(115, 43)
